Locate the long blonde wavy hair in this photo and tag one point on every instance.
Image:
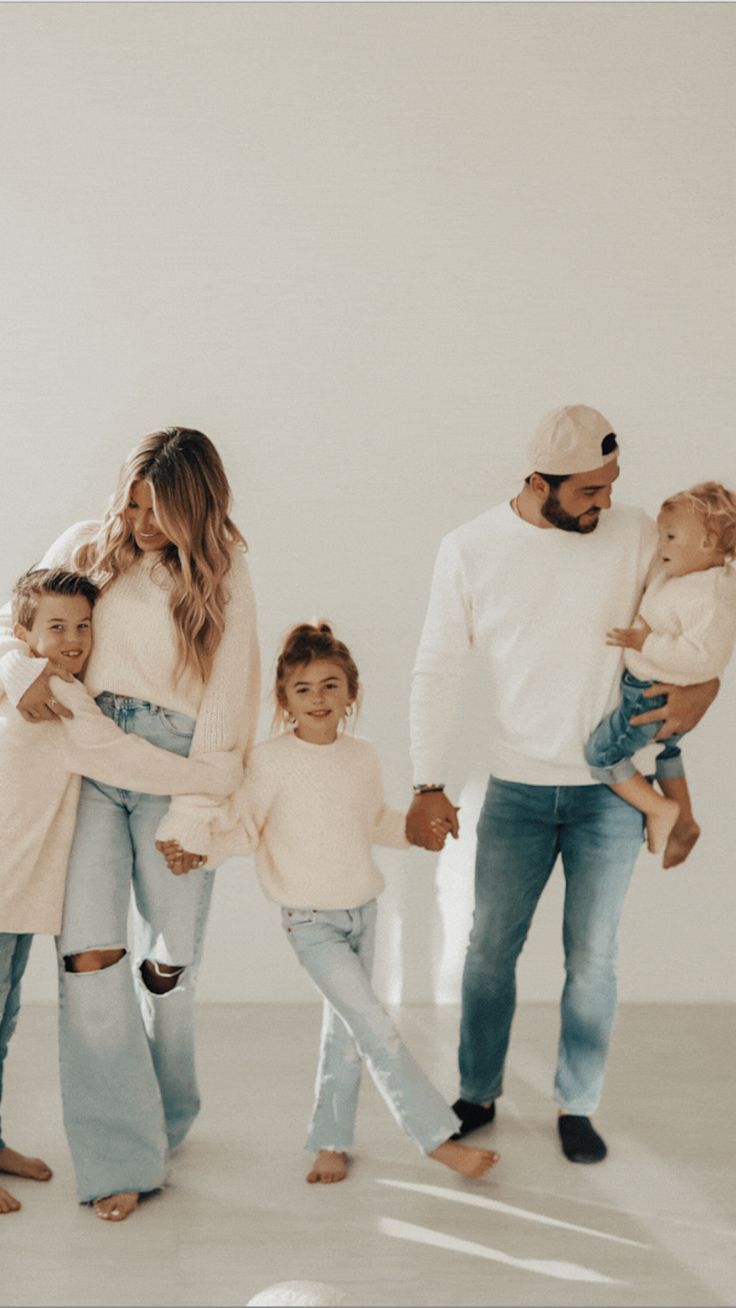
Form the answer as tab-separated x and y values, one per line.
191	499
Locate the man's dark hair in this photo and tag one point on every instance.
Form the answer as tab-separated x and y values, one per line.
36	582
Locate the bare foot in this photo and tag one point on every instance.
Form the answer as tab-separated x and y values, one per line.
329	1165
468	1160
35	1169
660	824
116	1207
682	838
8	1202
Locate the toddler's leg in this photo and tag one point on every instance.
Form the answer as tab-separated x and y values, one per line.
686	831
14	951
661	813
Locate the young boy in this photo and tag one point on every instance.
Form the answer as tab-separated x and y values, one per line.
40	768
685	633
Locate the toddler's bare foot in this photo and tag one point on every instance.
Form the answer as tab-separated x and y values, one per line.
329	1165
682	838
8	1202
468	1160
116	1207
35	1169
660	824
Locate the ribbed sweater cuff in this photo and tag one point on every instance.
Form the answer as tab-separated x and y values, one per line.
18	671
193	834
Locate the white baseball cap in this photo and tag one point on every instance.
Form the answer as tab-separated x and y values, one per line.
570	440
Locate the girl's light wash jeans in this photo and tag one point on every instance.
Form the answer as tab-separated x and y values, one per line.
128	1079
610	747
14	951
521	831
336	948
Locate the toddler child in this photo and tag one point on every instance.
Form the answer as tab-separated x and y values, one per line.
685	633
40	767
312	805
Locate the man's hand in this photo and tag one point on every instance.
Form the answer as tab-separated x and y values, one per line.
684	708
38	703
430	817
179	860
628	637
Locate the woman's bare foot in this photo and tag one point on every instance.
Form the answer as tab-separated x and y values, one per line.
329	1165
35	1169
116	1207
660	824
468	1160
8	1202
681	840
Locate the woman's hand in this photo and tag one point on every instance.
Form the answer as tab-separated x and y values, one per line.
628	637
179	860
38	703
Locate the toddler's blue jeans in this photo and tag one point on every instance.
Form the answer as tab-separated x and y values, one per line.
610	747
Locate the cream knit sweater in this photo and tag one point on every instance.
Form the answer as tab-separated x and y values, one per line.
693	621
39	787
134	654
312	813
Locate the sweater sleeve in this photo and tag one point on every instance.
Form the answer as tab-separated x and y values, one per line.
389	827
95	747
700	651
228	714
18	668
445	642
237	826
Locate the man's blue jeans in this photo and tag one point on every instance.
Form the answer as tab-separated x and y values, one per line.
128	1077
14	951
521	831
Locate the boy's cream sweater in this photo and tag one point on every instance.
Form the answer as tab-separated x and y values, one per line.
693	621
135	654
312	813
39	786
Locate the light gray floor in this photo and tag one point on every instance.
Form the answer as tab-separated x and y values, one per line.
653	1225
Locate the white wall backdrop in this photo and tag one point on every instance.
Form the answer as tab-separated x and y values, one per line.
365	247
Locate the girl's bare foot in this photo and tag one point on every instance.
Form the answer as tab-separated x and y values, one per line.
468	1160
329	1165
35	1169
116	1207
8	1202
660	824
682	838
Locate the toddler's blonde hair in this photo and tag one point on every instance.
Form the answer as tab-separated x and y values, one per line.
715	507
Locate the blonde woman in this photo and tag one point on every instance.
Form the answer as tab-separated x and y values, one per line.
175	659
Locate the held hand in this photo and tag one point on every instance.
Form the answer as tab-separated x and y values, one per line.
628	637
685	707
179	860
429	819
38	703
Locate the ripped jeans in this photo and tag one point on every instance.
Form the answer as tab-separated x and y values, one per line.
128	1079
336	948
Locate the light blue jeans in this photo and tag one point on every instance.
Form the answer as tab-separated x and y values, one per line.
14	951
336	948
128	1078
521	830
610	747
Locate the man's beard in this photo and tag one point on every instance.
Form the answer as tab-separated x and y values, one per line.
553	511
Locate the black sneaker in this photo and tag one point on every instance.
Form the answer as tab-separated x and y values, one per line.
472	1117
580	1142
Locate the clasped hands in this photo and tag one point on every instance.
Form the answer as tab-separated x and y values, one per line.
179	860
430	818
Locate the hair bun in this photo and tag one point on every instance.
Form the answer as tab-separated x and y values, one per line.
323	627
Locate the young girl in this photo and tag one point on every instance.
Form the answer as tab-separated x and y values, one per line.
685	633
312	805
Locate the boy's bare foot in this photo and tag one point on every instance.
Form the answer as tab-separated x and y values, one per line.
468	1160
8	1202
660	824
329	1165
681	840
116	1207
35	1169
